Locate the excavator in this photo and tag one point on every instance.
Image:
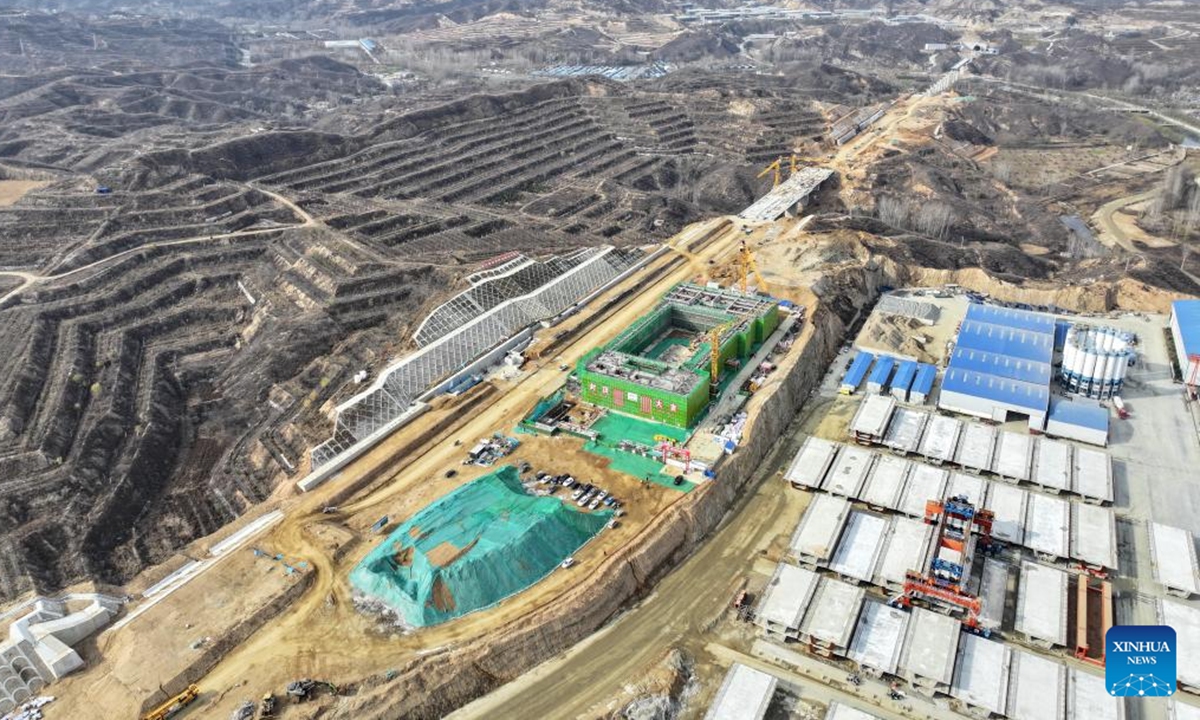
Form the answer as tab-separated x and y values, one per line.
175	704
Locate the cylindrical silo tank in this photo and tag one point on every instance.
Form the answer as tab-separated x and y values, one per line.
1069	351
1088	372
1110	339
1110	370
1121	367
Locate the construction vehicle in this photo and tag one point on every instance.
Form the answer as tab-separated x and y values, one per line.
266	706
960	530
174	704
305	689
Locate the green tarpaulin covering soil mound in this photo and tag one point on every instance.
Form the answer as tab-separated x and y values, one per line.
472	548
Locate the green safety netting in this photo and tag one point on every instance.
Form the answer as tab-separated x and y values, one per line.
472	548
615	427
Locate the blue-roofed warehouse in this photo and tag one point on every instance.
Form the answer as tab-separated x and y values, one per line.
1001	364
881	373
1185	331
903	380
922	385
1078	419
856	373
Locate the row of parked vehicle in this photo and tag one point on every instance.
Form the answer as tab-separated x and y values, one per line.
583	494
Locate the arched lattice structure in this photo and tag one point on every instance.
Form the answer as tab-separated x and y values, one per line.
502	301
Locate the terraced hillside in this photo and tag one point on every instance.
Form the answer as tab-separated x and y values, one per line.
184	298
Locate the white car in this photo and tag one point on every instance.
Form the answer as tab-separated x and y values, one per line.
568	563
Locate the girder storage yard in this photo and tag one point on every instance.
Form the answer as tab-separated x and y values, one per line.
1046	588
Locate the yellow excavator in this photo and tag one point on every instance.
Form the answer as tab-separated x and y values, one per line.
175	704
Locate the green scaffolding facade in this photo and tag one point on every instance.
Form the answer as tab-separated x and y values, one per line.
673	393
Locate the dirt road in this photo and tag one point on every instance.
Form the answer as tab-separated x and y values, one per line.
1111	233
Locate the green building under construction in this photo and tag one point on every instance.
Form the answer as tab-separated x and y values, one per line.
660	367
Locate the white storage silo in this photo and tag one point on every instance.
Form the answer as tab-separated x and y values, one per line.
1070	352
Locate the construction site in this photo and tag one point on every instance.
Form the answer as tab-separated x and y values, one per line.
629	362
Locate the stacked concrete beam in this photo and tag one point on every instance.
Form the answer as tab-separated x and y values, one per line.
849	471
1014	457
940	441
885	483
745	694
1047	526
785	600
861	544
925	483
1093	476
818	532
904	433
879	638
831	616
1094	536
811	463
906	547
1185	619
1173	556
1042	605
977	447
1008	505
930	647
1053	466
1037	688
981	675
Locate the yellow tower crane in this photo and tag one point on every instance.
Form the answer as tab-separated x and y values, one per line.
714	341
746	265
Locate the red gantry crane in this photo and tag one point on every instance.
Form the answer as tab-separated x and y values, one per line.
961	530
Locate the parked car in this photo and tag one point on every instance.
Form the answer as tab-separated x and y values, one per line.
568	563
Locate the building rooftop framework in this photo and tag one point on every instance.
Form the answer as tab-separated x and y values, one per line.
660	367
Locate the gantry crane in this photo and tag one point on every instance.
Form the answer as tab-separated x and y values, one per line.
776	167
960	528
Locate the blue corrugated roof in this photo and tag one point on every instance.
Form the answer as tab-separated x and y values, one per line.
883	369
904	375
1187	314
1006	366
923	382
998	389
1078	412
1009	317
1002	340
858	369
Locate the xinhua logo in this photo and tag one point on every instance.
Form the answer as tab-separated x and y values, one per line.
1140	660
